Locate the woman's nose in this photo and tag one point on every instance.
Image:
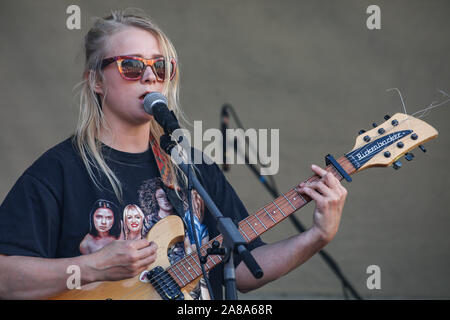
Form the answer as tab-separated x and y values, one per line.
149	75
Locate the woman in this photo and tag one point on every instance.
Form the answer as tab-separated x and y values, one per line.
104	227
133	221
154	202
127	56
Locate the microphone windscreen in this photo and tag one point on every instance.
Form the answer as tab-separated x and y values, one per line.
152	100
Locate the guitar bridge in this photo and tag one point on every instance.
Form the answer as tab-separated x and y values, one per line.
164	284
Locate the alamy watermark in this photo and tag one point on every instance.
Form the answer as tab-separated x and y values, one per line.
373	22
374	280
73	21
74	280
213	150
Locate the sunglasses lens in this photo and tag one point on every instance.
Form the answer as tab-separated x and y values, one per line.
132	69
160	69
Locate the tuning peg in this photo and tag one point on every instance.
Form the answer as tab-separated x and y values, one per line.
387	117
361	131
374	125
421	147
397	165
409	156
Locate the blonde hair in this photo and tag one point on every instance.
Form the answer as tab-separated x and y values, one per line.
91	118
129	209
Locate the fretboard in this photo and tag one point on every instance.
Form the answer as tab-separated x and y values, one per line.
188	269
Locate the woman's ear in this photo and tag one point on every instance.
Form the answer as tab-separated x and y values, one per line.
98	87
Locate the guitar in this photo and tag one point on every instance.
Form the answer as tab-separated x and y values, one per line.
379	147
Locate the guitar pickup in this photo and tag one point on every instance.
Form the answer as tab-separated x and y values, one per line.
164	284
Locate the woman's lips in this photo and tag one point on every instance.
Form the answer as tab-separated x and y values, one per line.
143	95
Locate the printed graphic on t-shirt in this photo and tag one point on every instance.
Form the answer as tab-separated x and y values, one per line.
104	226
107	223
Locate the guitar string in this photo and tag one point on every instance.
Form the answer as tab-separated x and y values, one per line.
164	276
400	122
403	103
172	281
426	110
193	256
244	228
282	202
160	276
401	98
252	219
314	178
157	285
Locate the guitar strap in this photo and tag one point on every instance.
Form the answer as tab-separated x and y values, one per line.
160	161
179	201
180	205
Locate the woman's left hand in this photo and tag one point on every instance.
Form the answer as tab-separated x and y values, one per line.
329	196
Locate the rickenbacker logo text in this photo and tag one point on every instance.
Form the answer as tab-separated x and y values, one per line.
376	146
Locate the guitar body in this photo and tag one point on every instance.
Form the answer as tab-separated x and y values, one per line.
165	233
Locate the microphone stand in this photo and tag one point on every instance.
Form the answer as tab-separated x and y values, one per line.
275	194
232	238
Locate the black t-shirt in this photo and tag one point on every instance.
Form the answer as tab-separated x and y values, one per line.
55	210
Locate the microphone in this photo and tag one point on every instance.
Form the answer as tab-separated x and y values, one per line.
155	104
224	120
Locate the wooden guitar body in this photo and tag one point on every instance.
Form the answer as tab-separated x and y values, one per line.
165	233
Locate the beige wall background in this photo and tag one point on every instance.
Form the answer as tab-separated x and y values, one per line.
309	68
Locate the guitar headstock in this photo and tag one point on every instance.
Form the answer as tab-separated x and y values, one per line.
383	145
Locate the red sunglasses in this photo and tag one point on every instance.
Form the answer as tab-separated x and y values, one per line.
132	68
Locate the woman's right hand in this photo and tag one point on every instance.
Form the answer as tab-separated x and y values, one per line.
121	259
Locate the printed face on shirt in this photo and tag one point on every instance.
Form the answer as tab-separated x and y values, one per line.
103	219
134	220
163	203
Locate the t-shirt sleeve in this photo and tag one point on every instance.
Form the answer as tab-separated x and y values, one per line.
29	219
